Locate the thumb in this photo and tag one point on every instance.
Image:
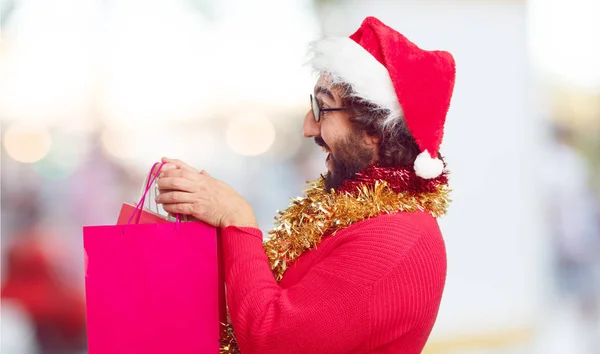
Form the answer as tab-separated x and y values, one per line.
158	168
179	164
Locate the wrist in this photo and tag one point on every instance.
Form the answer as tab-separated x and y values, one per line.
240	223
240	218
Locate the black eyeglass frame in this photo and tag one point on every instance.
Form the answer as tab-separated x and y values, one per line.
317	109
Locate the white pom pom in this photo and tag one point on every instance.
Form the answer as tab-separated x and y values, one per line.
428	167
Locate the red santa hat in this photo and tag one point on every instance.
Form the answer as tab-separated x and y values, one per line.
388	70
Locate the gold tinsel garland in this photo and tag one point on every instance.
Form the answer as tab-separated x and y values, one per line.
303	224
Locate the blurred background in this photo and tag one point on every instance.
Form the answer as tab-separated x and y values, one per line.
92	92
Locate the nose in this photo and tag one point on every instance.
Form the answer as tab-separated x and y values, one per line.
311	128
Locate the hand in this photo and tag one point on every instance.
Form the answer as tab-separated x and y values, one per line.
172	164
185	191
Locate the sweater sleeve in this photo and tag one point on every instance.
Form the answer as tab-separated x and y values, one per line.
327	311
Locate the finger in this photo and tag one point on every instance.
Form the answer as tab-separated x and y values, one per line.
203	172
177	184
179	164
165	167
189	175
174	197
179	208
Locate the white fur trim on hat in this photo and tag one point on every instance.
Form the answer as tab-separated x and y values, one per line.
428	167
350	63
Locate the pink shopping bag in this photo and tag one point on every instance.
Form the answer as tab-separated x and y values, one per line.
152	288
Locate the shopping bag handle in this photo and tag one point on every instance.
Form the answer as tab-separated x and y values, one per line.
151	179
150	182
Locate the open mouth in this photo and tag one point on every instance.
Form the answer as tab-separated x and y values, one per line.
328	152
325	150
321	143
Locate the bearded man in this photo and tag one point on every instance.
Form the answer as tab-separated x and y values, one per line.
358	265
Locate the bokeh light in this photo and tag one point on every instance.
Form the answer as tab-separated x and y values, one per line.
27	143
67	153
118	143
250	135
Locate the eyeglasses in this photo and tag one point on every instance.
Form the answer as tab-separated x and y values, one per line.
317	109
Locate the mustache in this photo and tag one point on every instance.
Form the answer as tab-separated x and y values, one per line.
319	141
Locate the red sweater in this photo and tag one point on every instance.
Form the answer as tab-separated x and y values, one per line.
374	287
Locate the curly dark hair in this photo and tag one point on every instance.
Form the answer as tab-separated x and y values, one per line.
397	145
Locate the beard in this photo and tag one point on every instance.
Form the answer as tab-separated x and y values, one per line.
351	157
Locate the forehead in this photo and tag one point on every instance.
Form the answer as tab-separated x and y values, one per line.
326	88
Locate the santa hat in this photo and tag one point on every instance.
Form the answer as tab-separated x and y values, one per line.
388	70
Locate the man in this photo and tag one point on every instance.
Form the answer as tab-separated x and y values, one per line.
359	264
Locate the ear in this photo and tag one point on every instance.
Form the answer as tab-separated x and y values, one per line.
372	139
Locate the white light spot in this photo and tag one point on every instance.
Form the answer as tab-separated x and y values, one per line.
250	136
27	143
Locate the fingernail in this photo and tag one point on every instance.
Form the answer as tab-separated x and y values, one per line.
161	175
